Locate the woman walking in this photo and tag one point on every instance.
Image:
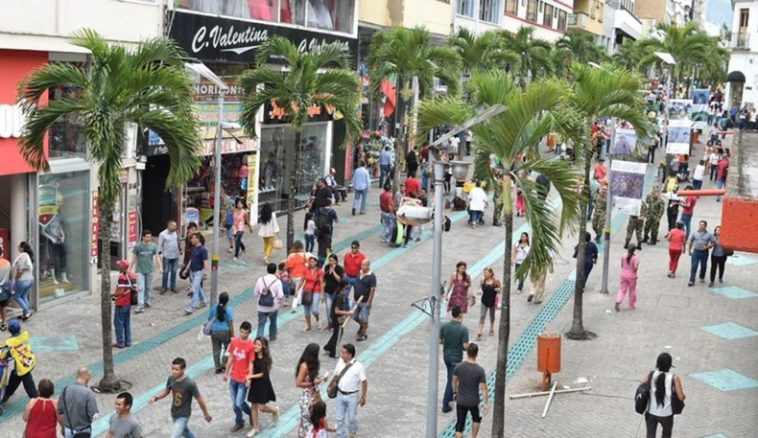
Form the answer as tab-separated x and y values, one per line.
521	250
261	390
314	284
338	314
309	230
718	257
663	385
490	286
188	247
677	239
307	378
630	263
6	286
296	264
460	286
333	275
268	228
241	224
222	330
39	415
23	267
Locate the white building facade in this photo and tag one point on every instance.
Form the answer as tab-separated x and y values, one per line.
743	62
620	24
548	18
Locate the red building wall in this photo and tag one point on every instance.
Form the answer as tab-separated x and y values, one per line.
739	224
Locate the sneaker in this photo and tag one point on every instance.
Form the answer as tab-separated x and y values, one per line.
174	290
148	305
690	284
163	291
362	338
710	284
119	346
236	428
219	370
529	298
702	280
139	310
188	311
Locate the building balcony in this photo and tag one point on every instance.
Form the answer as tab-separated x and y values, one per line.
583	22
627	23
741	41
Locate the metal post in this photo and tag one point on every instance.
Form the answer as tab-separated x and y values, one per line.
217	203
434	326
608	216
666	123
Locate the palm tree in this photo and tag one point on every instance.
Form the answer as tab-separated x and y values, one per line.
576	46
531	115
607	91
482	52
316	79
405	54
146	86
630	56
534	54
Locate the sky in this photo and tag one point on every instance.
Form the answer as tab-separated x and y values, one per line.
719	11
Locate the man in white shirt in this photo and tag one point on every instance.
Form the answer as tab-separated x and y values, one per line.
454	143
698	175
477	201
269	295
168	248
351	391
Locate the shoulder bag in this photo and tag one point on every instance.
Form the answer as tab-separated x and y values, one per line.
333	387
677	406
133	295
642	396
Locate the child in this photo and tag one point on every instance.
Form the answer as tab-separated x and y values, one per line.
318	421
310	232
284	277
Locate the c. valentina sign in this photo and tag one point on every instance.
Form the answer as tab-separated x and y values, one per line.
215	38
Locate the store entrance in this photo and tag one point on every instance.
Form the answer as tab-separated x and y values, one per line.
5	216
158	205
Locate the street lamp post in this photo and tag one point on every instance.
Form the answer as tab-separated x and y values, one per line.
608	215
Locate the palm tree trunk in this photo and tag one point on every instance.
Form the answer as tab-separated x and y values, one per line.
504	328
293	174
577	331
109	382
400	139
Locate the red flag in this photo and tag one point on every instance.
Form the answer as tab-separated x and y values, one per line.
388	89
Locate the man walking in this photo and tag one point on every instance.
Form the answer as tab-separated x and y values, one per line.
386	160
77	406
688	209
352	262
387	207
183	390
468	379
269	295
361	185
598	213
454	339
352	388
635	226
19	348
721	172
654	210
198	265
124	424
168	247
365	287
241	353
325	219
143	255
700	242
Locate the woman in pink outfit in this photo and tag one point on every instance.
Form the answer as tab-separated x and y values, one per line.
630	263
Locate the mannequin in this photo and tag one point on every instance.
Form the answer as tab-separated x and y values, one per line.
56	237
262	9
319	16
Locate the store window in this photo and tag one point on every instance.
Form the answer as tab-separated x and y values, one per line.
63	215
331	14
67	138
276	142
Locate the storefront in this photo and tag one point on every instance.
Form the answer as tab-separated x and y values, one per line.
228	46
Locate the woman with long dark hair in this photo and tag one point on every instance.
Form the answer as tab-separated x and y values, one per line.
718	257
23	268
630	263
460	287
268	228
261	389
241	223
663	384
520	251
222	330
490	286
306	377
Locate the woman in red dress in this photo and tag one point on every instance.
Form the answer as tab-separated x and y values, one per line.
40	416
460	285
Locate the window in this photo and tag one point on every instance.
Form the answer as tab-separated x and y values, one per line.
531	10
511	7
488	10
562	21
744	17
547	16
331	14
465	7
67	137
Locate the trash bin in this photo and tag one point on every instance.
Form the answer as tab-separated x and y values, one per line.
548	356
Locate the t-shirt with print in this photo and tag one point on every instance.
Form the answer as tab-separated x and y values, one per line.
124	427
470	376
241	353
145	253
182	393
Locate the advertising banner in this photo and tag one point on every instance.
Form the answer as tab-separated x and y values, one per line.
625	143
627	185
679	133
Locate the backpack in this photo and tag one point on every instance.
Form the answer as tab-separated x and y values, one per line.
642	396
398	234
266	298
322	222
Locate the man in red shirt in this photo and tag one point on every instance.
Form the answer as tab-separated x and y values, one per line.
688	209
352	263
721	171
600	170
241	353
387	207
412	185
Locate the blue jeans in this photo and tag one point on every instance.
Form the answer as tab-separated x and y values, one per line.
21	296
697	184
169	270
384	173
181	428
387	220
587	269
720	183
347	404
360	200
122	325
238	244
262	317
425	179
328	301
312	308
351	283
144	280
238	391
450	363
699	257
475	216
310	239
686	220
198	297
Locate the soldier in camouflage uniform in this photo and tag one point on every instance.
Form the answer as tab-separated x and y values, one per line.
636	224
598	213
655	208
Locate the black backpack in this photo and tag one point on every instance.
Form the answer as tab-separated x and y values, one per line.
642	396
322	222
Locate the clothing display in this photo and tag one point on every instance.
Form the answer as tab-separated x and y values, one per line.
55	250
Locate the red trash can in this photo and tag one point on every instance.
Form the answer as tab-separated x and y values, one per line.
548	356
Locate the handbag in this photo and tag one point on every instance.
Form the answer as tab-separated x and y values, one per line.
729	252
307	298
333	387
266	299
278	244
642	395
75	434
208	326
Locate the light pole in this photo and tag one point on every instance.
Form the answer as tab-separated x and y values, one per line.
608	215
670	62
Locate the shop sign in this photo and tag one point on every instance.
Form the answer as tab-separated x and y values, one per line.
230	146
132	228
11	121
215	38
95	228
252	186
